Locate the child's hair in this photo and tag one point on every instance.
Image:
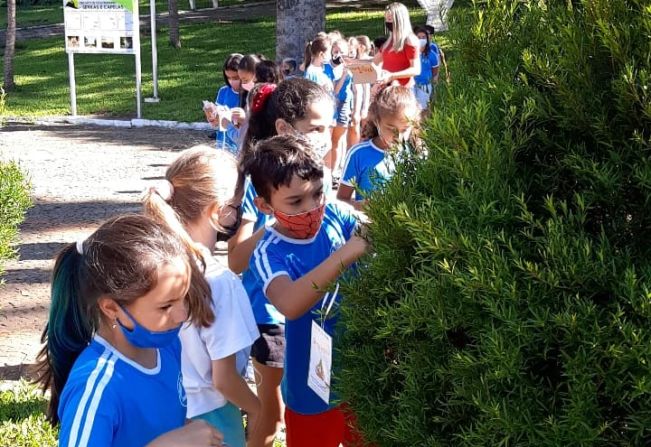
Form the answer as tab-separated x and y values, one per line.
248	63
274	162
430	30
289	101
121	260
422	29
353	45
391	101
231	63
364	41
379	42
401	25
342	44
335	35
199	177
291	62
268	71
312	49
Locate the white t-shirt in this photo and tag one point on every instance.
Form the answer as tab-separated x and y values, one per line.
233	332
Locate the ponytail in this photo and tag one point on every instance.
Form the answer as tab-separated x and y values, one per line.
308	55
70	328
156	207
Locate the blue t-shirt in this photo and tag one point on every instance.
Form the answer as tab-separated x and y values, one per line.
366	167
318	75
228	97
110	400
277	255
329	70
428	61
263	311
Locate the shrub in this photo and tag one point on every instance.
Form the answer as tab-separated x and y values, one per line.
22	418
14	201
508	300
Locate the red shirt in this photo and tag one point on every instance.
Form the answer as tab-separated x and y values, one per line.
393	61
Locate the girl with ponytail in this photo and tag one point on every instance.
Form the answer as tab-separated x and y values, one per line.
202	204
112	357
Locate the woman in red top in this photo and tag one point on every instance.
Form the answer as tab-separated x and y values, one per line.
399	56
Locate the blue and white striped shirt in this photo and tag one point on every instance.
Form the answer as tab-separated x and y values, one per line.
110	400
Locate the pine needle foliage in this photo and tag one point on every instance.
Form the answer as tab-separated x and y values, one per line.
508	298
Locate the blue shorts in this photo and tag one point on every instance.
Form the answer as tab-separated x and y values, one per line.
228	420
343	112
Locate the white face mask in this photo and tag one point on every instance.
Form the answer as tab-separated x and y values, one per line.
320	143
423	42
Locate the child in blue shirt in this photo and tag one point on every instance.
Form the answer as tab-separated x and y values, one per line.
392	116
112	356
298	258
229	96
296	106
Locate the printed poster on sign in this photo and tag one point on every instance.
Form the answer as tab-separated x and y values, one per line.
101	26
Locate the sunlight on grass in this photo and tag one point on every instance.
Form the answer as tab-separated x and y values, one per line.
106	83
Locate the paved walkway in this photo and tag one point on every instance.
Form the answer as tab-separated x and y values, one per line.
80	177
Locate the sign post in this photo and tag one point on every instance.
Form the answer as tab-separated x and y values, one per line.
154	52
102	27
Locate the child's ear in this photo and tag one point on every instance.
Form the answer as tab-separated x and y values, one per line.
263	206
283	127
109	307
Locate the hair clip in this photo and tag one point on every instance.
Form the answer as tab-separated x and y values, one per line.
261	97
164	189
80	245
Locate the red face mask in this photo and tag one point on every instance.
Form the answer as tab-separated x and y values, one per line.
303	225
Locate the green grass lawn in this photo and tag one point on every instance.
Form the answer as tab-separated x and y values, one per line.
33	15
106	83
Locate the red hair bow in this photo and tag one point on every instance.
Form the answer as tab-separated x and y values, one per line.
261	97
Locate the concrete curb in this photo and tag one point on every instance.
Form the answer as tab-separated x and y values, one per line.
133	123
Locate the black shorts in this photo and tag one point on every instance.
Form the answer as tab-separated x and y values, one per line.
269	349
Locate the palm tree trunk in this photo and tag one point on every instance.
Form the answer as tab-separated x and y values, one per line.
10	46
175	37
297	22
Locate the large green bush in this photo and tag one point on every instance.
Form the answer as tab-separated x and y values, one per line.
508	301
14	201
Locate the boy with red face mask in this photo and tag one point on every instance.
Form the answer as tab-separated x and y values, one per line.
297	260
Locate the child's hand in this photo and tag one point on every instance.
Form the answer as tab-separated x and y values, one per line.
358	245
238	116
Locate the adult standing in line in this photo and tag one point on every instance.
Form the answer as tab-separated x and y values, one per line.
399	57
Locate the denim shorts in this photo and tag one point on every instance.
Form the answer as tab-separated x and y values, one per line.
343	112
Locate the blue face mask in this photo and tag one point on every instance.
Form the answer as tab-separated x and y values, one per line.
144	338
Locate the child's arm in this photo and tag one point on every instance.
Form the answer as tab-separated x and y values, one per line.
345	194
233	387
294	298
241	246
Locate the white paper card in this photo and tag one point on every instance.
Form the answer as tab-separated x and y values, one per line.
320	363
